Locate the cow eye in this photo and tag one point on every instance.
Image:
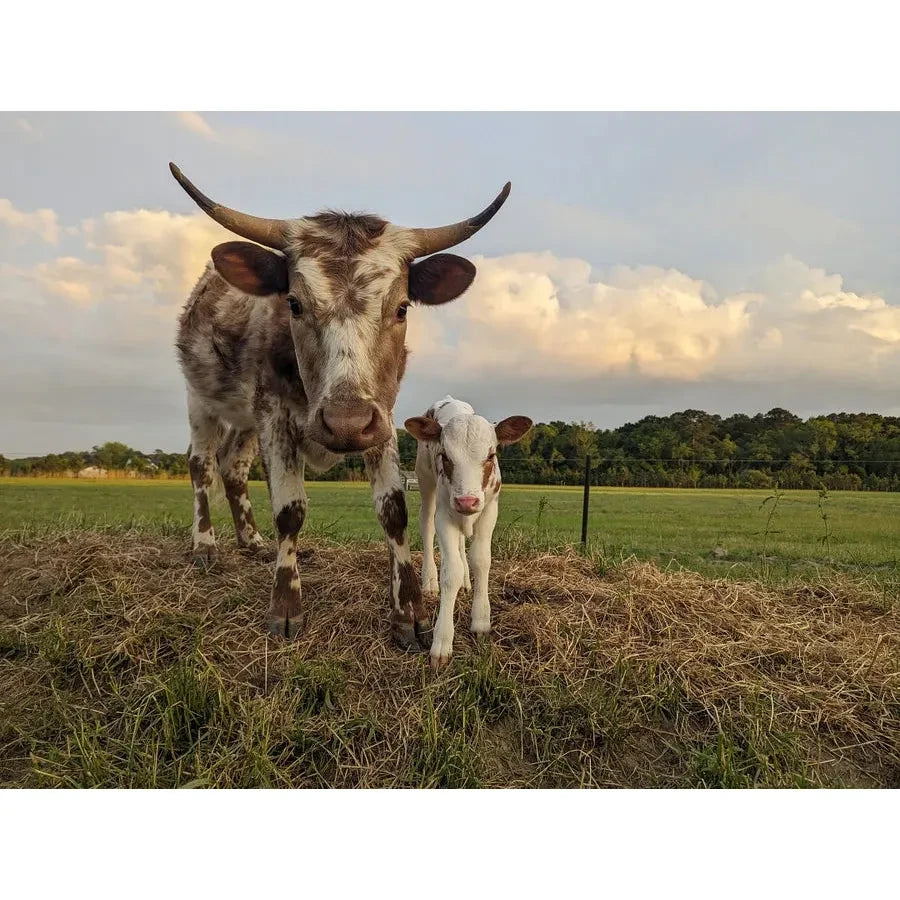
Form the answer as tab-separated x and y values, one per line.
296	308
401	312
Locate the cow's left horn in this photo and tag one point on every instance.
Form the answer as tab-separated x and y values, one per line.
433	240
268	232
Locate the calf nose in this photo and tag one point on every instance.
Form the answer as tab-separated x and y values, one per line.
466	505
351	426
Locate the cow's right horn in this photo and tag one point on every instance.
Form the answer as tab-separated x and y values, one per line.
268	232
433	240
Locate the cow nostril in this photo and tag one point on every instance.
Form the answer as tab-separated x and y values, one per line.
323	421
372	426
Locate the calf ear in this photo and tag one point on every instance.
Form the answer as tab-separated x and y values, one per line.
512	429
423	428
439	278
251	268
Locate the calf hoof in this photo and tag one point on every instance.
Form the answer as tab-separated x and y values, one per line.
284	627
205	555
441	651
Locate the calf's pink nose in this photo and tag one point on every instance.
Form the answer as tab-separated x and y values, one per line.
466	504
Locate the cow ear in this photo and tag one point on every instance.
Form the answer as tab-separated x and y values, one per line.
251	268
512	429
423	428
439	278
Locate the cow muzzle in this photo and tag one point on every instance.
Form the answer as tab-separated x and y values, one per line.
350	426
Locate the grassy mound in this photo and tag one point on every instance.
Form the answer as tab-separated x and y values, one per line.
123	665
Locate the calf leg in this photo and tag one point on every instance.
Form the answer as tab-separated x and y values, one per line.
202	466
410	625
428	493
235	458
451	582
467	581
480	561
284	470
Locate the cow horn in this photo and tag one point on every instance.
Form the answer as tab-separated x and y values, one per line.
433	240
268	232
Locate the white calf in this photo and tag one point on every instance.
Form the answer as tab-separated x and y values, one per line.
459	479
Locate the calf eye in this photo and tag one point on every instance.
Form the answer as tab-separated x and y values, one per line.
401	312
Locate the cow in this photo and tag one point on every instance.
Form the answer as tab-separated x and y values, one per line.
293	346
459	479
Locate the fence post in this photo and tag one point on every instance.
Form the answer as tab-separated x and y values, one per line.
587	495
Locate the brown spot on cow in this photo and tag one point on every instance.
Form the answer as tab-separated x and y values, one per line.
446	467
201	471
393	516
410	593
487	471
204	523
284	616
290	519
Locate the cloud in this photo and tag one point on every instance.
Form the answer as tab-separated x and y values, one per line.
22	226
536	316
194	122
97	325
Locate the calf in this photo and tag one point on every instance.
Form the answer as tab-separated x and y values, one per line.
459	479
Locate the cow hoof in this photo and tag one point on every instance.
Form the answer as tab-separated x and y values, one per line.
424	633
404	635
287	628
205	556
264	553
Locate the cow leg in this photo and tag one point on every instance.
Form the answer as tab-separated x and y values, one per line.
235	458
410	626
480	561
202	466
451	582
284	471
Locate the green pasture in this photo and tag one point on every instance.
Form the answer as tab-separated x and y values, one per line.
690	528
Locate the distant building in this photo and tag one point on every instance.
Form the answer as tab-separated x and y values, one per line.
92	472
410	481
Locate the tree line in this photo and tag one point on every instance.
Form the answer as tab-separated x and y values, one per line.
839	451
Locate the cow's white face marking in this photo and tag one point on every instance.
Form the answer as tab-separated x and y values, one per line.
341	338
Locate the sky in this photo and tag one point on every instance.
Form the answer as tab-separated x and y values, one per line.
643	264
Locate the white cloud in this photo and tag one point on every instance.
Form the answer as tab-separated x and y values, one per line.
539	316
22	226
194	122
105	315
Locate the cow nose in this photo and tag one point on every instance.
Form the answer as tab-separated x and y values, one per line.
351	426
466	505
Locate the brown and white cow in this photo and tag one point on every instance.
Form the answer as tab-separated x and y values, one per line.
300	352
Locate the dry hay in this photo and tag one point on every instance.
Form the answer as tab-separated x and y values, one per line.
121	664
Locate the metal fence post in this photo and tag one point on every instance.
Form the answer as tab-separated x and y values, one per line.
587	495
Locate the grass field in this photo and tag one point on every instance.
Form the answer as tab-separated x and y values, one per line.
663	526
124	665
